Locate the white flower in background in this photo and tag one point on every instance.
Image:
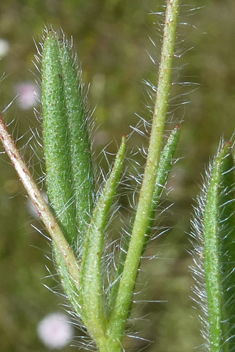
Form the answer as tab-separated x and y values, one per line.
27	95
55	330
4	47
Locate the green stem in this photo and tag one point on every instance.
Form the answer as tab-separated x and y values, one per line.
127	283
165	164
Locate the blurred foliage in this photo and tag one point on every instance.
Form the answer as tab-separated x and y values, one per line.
112	41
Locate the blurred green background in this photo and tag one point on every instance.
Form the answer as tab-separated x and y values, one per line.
111	38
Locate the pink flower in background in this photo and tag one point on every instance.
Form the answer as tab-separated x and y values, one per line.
55	330
27	95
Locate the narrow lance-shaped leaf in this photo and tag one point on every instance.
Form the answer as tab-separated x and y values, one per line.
56	139
91	275
227	250
218	252
164	168
80	151
66	142
70	184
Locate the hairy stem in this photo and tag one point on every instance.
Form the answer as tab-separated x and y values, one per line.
39	202
127	282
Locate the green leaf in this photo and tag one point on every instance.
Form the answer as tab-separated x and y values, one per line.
70	183
55	139
218	253
80	151
164	168
91	274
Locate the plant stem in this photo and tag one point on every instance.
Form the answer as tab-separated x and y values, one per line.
39	202
164	168
127	282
